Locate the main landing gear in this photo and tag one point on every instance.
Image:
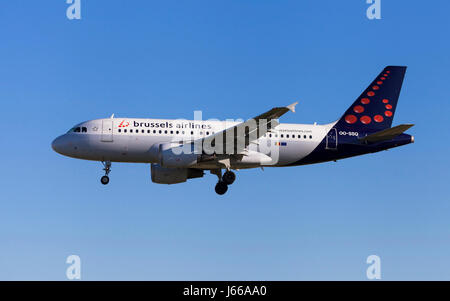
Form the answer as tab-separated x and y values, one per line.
224	180
107	169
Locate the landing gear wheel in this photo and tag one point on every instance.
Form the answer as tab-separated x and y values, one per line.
229	177
107	169
221	188
104	180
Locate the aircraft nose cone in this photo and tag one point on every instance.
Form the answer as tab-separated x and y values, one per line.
57	145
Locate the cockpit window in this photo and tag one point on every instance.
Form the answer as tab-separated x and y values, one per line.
78	129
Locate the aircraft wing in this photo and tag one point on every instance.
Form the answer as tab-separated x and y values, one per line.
236	139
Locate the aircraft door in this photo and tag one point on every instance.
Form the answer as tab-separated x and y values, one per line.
331	141
107	130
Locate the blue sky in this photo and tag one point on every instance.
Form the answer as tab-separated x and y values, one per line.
230	59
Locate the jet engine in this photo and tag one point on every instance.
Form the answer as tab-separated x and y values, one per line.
165	175
173	155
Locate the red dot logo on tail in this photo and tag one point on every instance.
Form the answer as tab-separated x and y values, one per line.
350	119
358	109
366	119
365	101
378	118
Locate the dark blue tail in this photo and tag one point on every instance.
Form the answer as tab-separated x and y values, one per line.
374	109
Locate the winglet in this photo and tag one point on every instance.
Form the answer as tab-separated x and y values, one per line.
291	107
112	116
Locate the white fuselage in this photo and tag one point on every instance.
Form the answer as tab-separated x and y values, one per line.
132	139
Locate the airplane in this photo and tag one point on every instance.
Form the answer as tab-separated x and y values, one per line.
178	150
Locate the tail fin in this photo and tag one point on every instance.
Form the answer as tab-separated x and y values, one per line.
374	109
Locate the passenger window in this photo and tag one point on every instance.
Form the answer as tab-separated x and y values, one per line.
207	133
304	136
299	136
192	132
131	131
160	131
281	135
287	136
310	137
171	132
154	131
125	131
143	131
178	132
165	132
148	131
119	130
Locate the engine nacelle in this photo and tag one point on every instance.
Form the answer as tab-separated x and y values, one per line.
164	175
172	155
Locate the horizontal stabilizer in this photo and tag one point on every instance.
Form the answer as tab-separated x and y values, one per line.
387	134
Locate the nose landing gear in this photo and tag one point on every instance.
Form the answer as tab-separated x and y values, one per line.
104	180
107	168
225	180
